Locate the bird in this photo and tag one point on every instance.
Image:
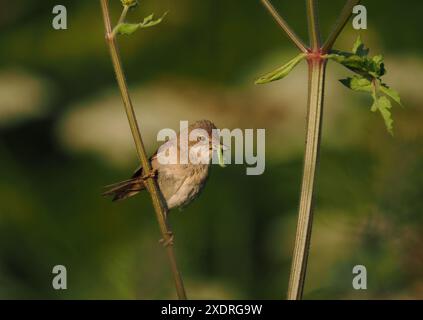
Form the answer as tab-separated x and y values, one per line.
179	182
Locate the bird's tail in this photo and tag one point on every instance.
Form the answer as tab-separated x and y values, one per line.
125	189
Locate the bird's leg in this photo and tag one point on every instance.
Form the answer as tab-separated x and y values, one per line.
153	174
169	241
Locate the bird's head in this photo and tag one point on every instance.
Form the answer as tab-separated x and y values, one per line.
204	140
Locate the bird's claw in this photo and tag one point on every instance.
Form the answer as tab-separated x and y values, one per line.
169	241
152	174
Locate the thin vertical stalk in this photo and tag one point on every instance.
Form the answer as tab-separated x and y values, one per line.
317	71
313	24
157	199
284	25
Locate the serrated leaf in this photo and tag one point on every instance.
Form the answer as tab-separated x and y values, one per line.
394	95
359	62
357	44
369	71
150	22
378	59
384	106
338	56
281	72
377	66
364	66
359	48
351	61
358	83
130	28
147	19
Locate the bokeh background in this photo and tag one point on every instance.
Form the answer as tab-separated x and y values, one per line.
64	134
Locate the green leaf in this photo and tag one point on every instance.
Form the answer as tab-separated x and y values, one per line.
359	62
353	62
384	106
374	68
377	66
359	48
358	83
130	28
150	22
369	71
337	56
127	28
281	72
394	95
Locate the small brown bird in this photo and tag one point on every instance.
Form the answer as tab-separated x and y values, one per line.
179	182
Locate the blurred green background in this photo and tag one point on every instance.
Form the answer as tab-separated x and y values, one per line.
64	134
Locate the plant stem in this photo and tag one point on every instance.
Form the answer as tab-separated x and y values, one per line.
123	15
317	71
156	196
313	24
284	25
340	24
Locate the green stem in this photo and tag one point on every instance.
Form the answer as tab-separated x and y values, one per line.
121	20
123	15
340	24
156	196
313	25
317	71
284	25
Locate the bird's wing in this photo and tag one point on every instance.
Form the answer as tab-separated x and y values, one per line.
139	172
170	145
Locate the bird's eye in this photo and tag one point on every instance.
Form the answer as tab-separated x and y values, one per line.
201	138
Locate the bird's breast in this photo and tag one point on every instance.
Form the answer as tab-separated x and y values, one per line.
180	184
